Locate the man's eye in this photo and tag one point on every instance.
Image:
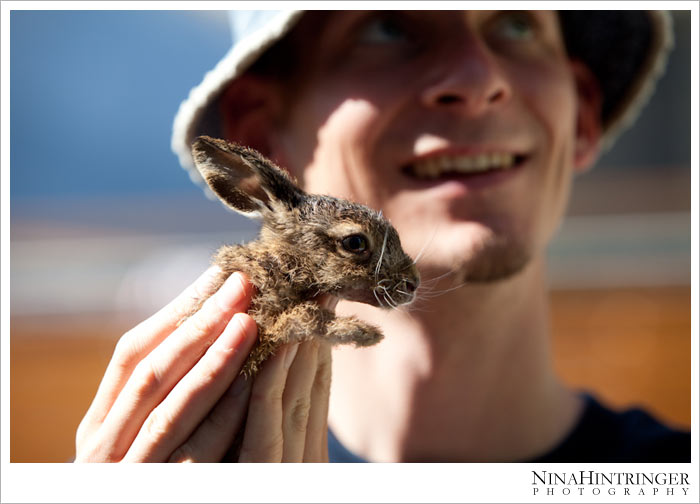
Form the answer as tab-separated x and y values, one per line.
382	31
516	26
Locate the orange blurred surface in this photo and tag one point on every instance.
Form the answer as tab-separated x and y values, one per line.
629	347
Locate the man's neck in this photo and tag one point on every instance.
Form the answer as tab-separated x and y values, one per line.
466	376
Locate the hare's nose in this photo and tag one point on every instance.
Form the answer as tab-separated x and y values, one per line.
410	285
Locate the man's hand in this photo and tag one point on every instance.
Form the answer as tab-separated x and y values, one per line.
174	393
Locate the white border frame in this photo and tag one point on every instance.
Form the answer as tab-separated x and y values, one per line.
315	482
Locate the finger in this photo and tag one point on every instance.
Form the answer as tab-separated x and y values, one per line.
316	443
262	441
142	339
139	341
296	401
174	420
214	437
166	320
154	377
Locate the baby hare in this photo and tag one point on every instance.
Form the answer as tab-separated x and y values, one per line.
309	245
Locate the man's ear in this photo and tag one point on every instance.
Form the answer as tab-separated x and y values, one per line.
588	117
251	106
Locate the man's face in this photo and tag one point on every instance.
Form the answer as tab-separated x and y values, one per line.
396	110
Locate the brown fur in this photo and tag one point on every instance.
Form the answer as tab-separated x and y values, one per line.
301	252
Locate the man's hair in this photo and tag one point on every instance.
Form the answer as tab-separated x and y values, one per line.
277	62
596	37
281	59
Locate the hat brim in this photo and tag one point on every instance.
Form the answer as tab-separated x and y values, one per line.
198	114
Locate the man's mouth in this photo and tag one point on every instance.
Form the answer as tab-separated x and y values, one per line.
447	165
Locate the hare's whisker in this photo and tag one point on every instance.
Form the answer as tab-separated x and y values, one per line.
425	245
387	297
413	308
386	292
439	277
432	294
374	291
381	254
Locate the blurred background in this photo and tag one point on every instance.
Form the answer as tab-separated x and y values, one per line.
106	227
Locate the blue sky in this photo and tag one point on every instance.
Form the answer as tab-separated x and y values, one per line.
93	95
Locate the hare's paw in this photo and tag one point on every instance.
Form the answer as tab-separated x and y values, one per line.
299	323
345	330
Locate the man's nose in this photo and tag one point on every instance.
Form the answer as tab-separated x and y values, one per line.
469	80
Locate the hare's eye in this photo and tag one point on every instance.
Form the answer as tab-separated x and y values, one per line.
356	243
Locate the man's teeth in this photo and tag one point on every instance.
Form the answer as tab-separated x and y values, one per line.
436	166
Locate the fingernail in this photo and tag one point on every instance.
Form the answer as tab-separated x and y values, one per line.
250	330
204	285
231	292
291	353
209	274
239	334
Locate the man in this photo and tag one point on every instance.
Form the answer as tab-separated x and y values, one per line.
465	129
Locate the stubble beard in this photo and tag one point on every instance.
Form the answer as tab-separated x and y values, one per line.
493	260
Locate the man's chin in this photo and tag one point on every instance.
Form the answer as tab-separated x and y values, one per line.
493	263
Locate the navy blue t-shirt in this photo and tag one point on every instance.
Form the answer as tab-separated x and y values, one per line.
601	435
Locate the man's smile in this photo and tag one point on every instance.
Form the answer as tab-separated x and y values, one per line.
446	165
475	169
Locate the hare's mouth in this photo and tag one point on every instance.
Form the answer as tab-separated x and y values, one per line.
403	293
383	295
359	295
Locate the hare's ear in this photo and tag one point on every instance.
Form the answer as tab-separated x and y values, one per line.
243	178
